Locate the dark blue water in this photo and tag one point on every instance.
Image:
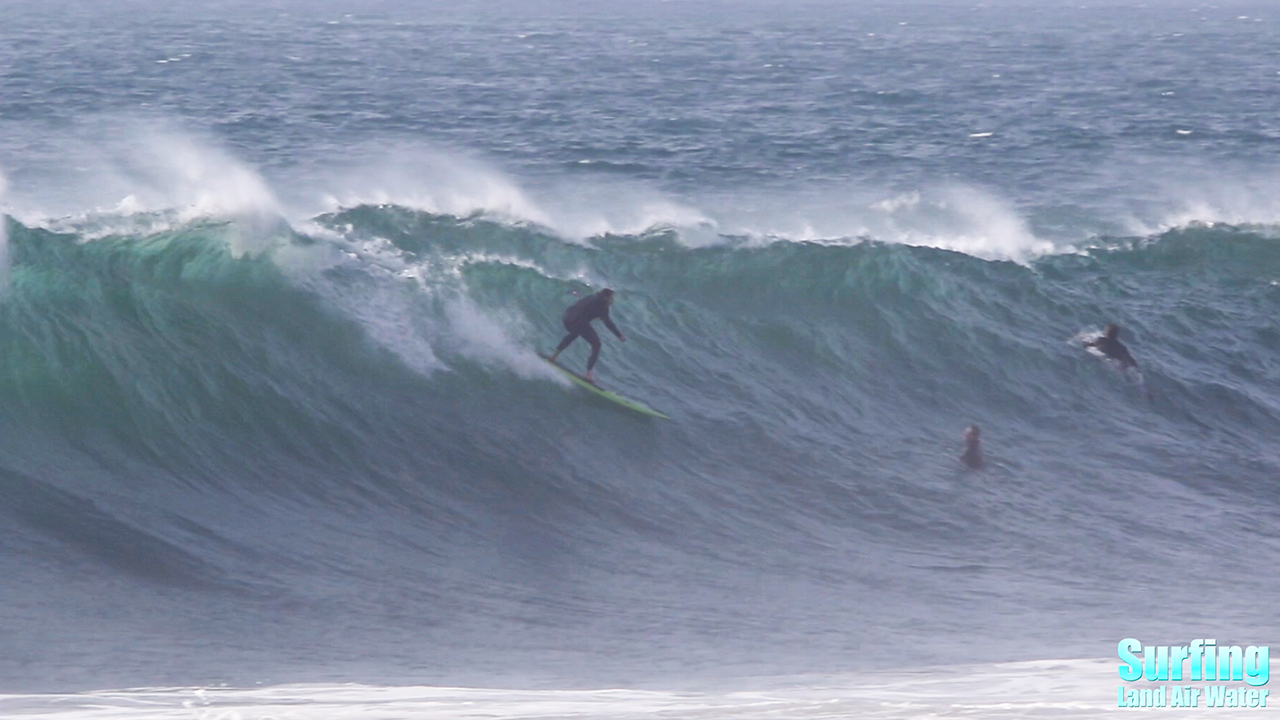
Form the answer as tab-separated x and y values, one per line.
277	273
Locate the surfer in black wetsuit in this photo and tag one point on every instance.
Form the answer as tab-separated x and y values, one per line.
1109	344
973	448
577	320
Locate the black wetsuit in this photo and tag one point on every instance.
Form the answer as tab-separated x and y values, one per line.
973	456
577	320
1115	350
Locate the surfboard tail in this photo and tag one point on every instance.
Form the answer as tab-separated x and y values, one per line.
611	396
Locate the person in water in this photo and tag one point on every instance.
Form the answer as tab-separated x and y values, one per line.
1109	344
577	320
972	455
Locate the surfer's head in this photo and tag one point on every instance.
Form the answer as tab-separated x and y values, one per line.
607	294
972	435
1112	331
972	455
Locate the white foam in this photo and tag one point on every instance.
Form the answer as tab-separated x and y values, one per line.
1060	689
1204	197
445	182
129	167
376	301
488	338
426	179
956	217
963	219
416	307
579	210
205	181
151	174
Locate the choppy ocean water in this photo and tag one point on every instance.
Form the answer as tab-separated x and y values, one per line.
273	422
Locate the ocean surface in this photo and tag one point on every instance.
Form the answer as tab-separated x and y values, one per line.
272	422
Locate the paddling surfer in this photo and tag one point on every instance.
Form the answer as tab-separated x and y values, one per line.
577	320
973	448
1109	345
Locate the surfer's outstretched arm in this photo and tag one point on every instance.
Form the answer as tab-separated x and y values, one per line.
600	310
612	328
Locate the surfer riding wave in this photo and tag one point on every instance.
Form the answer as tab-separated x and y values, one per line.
577	320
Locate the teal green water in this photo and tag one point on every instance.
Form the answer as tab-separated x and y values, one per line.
276	276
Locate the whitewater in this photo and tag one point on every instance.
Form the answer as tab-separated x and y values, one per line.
275	440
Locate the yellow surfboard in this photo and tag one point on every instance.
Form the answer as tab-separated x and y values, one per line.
607	395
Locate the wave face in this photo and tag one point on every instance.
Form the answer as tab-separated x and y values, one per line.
273	279
347	441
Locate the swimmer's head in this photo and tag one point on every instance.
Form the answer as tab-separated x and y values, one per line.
1112	331
608	295
972	434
